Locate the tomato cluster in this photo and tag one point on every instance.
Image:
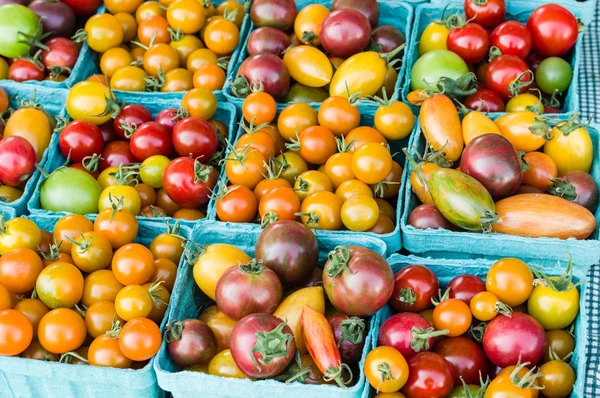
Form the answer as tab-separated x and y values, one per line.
321	166
158	166
26	135
85	293
294	56
506	328
166	45
36	43
520	64
515	174
257	331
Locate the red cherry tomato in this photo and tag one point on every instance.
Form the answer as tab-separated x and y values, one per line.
22	70
512	38
414	287
61	53
116	153
464	287
130	118
484	100
507	76
429	375
195	138
150	139
188	183
80	139
470	42
83	7
488	15
553	30
466	357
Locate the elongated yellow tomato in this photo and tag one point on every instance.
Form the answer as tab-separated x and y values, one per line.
571	148
31	124
433	38
213	262
475	124
441	126
526	130
363	73
308	65
87	101
290	310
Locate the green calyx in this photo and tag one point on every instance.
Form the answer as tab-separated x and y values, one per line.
516	85
82	245
487	220
563	189
528	380
202	172
268	219
407	296
174	331
254	267
192	251
481	392
420	337
477	331
541	128
574	123
312	218
337	261
271	345
336	373
353	330
560	284
53	252
240	87
454	88
127	174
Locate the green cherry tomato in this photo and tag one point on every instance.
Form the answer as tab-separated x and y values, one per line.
152	170
434	65
15	22
71	190
553	74
460	391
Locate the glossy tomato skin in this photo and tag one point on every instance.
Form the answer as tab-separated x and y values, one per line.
349	351
179	181
268	69
553	30
345	32
464	287
471	42
512	38
396	332
61	52
17	160
169	118
22	70
56	17
506	340
150	139
80	139
487	15
586	189
195	138
484	100
503	71
267	40
363	286
388	37
116	153
414	287
290	249
428	216
429	375
369	8
84	7
131	117
279	14
492	160
195	344
465	356
244	338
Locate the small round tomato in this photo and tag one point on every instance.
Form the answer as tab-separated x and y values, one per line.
129	25
149	9
429	374
165	271
128	6
114	59
434	37
557	380
61	330
237	205
315	144
541	170
177	80
160	301
363	135
19	269
105	351
119	227
103	32
100	317
360	213
394	120
291	165
554	74
279	204
210	77
371	163
525	102
338	115
60	285
16	332
559	342
223	365
339	168
259	108
556	305
167	245
201	57
160	58
485	306
5	300
221	36
133	264
91	251
185	45
200	103
87	101
386	369
140	339
554	30
512	38
130	198
508	76
267	185
258	140
147	195
186	16
152	169
246	167
295	118
153	30
310	182
129	78
100	286
322	210
351	188
471	42
454	315
234	9
133	301
511	280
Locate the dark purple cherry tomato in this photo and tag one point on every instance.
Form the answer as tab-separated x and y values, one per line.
470	42
429	375
190	342
267	40
80	139
534	60
484	100
414	287
512	38
279	14
465	356
345	32
369	8
427	216
349	334
195	138
464	287
151	138
387	38
116	153
269	70
578	187
129	119
108	132
56	17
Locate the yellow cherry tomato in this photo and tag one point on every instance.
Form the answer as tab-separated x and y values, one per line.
475	124
234	10
525	102
103	32
394	119
360	213
187	16
114	59
571	147
308	65
310	182
396	369
433	38
221	36
88	101
129	78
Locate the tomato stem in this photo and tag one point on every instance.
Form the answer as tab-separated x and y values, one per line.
353	330
386	374
313	218
66	357
271	345
516	85
574	123
309	37
253	267
420	337
527	381
562	283
563	189
173	331
477	331
335	373
268	219
337	261
192	251
53	252
503	309
240	87
407	296
488	219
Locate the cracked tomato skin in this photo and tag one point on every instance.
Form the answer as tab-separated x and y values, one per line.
421	281
363	285
244	338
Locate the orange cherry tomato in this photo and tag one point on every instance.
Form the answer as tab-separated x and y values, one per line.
186	16
16	332
259	108
153	29
100	286
60	285
237	205
322	210
339	168
453	315
350	188
129	25
363	135
19	269
221	36
269	184
140	339
99	318
315	144
246	166
105	351
61	330
200	103
371	163
279	204
133	264
210	77
310	182
189	214
295	118
165	271
541	170
34	310
259	140
339	115
70	226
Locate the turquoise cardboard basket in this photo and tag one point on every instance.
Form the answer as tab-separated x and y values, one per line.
141	95
29	378
519	10
446	269
53	102
225	113
497	245
395	13
187	302
392	239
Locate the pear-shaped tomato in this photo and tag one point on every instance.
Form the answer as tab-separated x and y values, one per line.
441	126
308	65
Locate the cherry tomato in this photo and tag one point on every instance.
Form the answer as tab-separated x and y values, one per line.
165	271
510	280
429	374
105	351
508	75
133	264
485	306
295	118
133	301
454	315
557	380
484	100
269	184
488	14
310	182
119	227
360	213
470	42
512	38
99	318
100	286
223	365
165	203
210	77
541	170
259	108
560	342
221	36
338	115
464	287
87	100
60	285
394	120
19	269
187	16
363	135
371	163
279	204
103	32
466	357
61	330
147	195
386	369
200	103
553	29
155	30
238	205
322	210
16	332
140	339
339	168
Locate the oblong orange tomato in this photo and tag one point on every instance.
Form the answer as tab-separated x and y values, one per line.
518	127
475	124
441	126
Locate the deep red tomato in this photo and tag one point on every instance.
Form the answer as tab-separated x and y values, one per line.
553	30
429	375
115	153
507	76
17	160
84	7
488	15
150	139
464	287
130	118
465	356
168	117
470	42
484	100
108	132
195	138
22	70
188	182
414	287
512	38
80	139
61	53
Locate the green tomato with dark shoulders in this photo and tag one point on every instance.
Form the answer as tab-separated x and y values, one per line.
434	65
70	190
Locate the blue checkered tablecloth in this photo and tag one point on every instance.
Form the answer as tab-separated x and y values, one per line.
589	93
